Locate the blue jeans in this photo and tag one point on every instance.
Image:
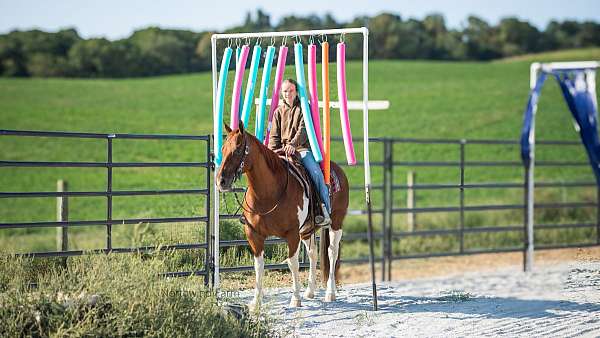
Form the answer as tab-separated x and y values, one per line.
316	175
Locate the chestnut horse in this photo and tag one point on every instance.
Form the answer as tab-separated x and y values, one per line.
276	204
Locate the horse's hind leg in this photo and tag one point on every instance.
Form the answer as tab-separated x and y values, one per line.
311	248
294	248
334	244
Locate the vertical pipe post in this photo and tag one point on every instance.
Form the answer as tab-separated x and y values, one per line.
216	250
462	195
391	207
388	186
207	251
62	215
411	200
598	215
385	225
109	193
366	159
533	74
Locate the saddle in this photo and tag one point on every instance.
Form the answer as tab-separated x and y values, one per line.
298	171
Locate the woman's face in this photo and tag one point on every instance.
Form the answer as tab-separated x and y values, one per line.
288	92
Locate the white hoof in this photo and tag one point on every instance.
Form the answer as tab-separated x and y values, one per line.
295	302
329	297
309	294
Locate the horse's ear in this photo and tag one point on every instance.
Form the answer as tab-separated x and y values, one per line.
241	127
227	128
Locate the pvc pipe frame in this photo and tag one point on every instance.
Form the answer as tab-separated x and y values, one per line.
367	167
534	71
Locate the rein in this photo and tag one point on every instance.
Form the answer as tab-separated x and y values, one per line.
238	174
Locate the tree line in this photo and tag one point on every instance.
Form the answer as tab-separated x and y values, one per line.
155	51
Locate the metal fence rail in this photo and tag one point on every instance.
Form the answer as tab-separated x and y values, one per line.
109	193
390	233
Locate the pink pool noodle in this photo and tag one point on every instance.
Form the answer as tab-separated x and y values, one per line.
312	87
237	87
276	88
343	97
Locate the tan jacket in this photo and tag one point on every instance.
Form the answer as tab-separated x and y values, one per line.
288	128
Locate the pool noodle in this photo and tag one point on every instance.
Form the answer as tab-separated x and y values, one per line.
264	87
343	97
313	90
326	112
249	97
218	123
283	50
235	99
310	130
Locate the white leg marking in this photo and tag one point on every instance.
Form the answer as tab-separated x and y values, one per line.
334	244
311	248
259	268
294	268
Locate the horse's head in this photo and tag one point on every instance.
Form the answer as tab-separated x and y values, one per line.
235	152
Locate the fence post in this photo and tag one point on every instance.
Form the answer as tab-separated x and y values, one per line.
389	166
385	225
62	215
462	195
597	215
207	252
411	201
109	160
528	220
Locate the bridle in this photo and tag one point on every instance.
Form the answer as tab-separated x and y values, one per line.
238	175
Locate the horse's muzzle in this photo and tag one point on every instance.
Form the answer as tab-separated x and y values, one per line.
224	184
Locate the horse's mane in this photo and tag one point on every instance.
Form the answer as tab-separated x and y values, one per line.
274	162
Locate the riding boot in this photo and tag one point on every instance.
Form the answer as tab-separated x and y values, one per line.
324	220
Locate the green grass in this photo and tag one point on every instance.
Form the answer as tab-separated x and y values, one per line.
113	295
455	100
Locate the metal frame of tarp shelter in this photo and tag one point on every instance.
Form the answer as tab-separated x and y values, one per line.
365	33
534	72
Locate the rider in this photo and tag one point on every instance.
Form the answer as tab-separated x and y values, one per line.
289	133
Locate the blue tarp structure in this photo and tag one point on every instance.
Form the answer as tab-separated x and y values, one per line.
578	88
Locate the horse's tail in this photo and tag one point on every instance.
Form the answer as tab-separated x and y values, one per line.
324	248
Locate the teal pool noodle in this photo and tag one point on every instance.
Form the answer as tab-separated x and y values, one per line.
259	129
249	97
218	120
308	123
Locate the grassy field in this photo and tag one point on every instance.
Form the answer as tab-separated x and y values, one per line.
455	100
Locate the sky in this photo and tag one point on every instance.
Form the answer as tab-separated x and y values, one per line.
115	19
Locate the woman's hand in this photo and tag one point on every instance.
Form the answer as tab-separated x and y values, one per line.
289	150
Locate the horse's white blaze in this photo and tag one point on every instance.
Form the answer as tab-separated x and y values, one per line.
259	268
334	244
294	268
303	212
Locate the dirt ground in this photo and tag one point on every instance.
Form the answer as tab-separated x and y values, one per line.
409	269
451	266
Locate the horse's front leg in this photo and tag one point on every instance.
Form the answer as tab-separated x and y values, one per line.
294	248
257	244
311	247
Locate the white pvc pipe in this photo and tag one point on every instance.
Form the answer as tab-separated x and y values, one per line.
546	67
213	42
352	105
534	70
290	33
365	32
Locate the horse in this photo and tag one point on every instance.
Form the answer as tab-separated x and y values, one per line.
275	204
